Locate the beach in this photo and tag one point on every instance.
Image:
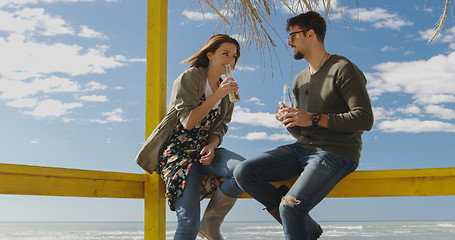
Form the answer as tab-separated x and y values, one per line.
372	230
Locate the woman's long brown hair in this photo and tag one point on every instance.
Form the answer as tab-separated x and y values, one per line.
200	58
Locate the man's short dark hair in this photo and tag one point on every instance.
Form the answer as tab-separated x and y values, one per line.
307	21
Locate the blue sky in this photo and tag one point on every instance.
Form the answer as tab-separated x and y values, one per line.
72	94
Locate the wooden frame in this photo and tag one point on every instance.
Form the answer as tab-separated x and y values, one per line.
48	181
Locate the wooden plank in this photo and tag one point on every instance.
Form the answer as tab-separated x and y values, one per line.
68	173
155	110
401	173
392	183
20	184
48	181
155	214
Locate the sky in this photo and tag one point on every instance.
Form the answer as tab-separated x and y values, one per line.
72	95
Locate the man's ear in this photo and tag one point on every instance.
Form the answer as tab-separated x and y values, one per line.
310	33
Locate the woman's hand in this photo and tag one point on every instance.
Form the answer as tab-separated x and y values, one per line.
208	153
226	86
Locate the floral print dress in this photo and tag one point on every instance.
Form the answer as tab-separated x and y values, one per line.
181	151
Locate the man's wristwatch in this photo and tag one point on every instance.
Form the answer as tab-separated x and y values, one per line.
315	117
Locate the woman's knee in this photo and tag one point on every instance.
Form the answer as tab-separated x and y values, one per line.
188	226
189	223
227	158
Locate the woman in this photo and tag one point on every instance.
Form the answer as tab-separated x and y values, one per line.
183	148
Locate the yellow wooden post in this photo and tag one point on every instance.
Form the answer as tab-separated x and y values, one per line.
154	201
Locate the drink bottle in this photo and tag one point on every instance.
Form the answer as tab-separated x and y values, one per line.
233	96
287	97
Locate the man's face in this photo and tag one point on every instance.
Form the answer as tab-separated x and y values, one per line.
296	40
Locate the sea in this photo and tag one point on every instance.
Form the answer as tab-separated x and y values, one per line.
369	230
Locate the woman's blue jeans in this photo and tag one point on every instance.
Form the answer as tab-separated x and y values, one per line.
187	206
319	172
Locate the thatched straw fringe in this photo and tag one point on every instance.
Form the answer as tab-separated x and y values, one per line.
442	21
259	12
251	19
216	10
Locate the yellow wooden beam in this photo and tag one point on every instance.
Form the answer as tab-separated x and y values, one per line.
397	183
49	181
155	110
6	168
155	102
46	181
392	183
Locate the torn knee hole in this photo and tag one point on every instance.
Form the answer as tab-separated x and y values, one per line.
289	201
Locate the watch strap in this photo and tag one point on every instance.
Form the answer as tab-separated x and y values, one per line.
315	117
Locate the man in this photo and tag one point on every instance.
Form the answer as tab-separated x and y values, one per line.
332	111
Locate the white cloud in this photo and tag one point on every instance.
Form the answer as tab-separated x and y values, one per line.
440	112
379	17
52	108
298	7
436	98
87	32
422	79
94	86
32	71
33	21
408	52
410	110
240	38
36	59
256	101
93	98
17	3
428	82
426	34
388	49
446	36
199	16
115	116
253	136
23	103
67	119
245	68
15	89
381	113
134	60
244	116
35	141
413	125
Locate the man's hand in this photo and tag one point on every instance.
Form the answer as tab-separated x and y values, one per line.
279	111
291	117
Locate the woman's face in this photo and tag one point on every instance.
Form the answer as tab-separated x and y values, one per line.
225	54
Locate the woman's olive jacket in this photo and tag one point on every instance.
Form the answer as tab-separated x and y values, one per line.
187	90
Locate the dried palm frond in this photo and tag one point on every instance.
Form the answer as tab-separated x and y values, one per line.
251	19
441	22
